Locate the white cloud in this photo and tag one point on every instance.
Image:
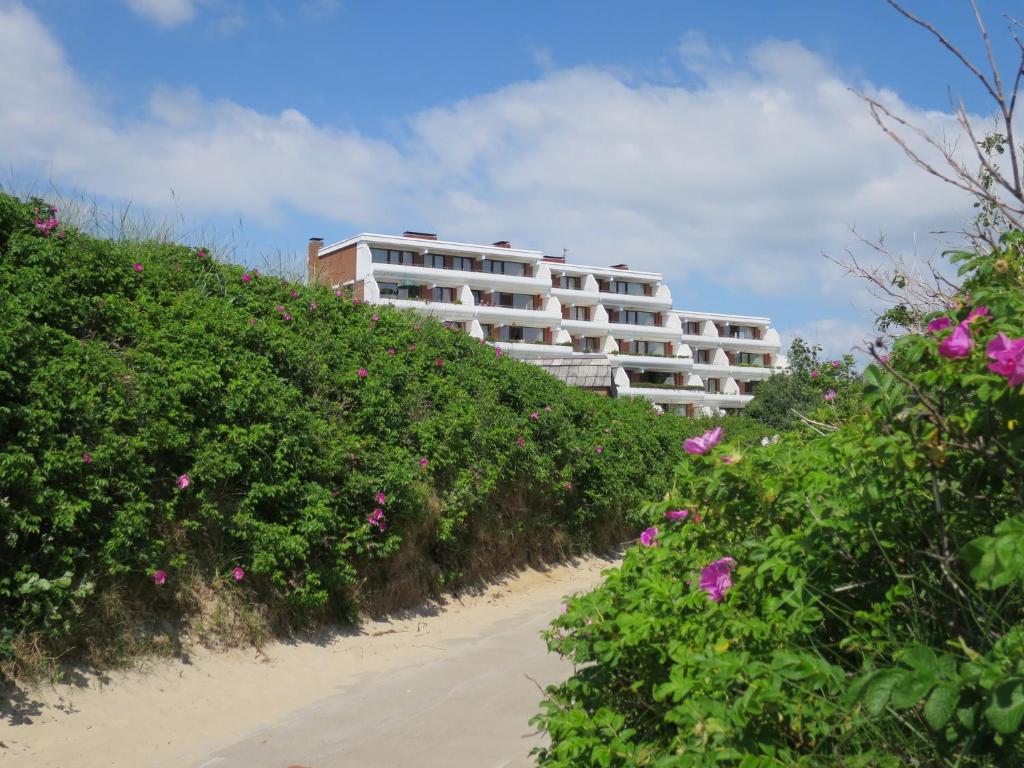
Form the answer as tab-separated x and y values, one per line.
836	336
166	13
742	179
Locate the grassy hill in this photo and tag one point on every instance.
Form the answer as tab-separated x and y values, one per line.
165	417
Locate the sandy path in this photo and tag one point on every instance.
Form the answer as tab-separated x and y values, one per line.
392	684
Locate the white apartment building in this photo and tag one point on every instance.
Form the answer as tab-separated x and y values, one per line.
538	307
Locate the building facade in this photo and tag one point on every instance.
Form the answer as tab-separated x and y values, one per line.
538	308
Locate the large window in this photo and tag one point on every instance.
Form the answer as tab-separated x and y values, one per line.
478	297
704	356
635	317
443	295
624	286
748	358
521	333
586	344
741	332
435	260
462	263
692	328
579	313
712	386
401	291
498	267
512	300
653	348
387	256
571	282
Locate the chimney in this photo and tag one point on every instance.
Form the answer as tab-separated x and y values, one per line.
620	266
313	256
420	235
502	244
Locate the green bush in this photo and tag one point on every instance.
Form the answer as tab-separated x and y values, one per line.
875	612
163	412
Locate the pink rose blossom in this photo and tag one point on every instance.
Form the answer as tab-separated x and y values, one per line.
312	306
568	486
677	514
379	497
977	313
424	461
338	293
649	537
830	395
201	253
286	317
137	267
564	608
375	318
1006	357
884	359
391	351
184	481
440	363
521	442
376	517
293	293
939	324
815	374
363	373
253	321
498	351
696	446
246	278
836	363
958	344
86	458
535	416
237	573
279	308
599	449
159	577
716	579
357	301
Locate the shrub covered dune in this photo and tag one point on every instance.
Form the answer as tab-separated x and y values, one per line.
848	599
181	439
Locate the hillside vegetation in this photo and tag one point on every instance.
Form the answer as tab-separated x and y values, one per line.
184	439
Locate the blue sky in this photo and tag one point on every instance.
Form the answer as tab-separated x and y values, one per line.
717	142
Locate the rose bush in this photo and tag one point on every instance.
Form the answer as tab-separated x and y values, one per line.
851	599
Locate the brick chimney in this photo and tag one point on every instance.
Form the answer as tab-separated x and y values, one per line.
502	244
620	266
420	235
313	256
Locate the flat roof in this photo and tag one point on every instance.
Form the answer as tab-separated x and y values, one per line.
440	245
721	316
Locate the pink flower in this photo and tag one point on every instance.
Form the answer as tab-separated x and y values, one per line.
159	577
830	395
391	351
568	486
521	442
598	449
375	318
535	416
498	351
293	293
379	497
312	306
47	226
246	278
716	578
957	344
701	445
815	374
439	362
1006	358
338	292
286	317
884	359
363	373
730	458
237	573
836	363
564	608
184	481
86	458
938	324
677	514
376	517
201	253
423	462
976	313
137	267
279	308
253	321
357	301
648	537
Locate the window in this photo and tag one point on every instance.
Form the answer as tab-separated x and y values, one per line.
478	297
748	358
704	356
712	386
579	313
498	267
571	282
486	330
399	290
634	317
691	328
521	334
435	260
462	263
749	387
512	300
650	377
623	286
653	348
386	256
443	295
740	332
586	344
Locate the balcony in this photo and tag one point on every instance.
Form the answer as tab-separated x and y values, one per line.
744	372
719	400
505	315
659	303
586	327
652	332
570	296
452	277
438	309
527	349
651	362
664	395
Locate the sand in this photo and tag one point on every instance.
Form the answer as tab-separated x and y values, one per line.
174	713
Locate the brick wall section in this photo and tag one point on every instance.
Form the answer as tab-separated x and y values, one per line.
336	268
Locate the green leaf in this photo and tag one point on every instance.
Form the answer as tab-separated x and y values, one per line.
878	691
1006	708
940	706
